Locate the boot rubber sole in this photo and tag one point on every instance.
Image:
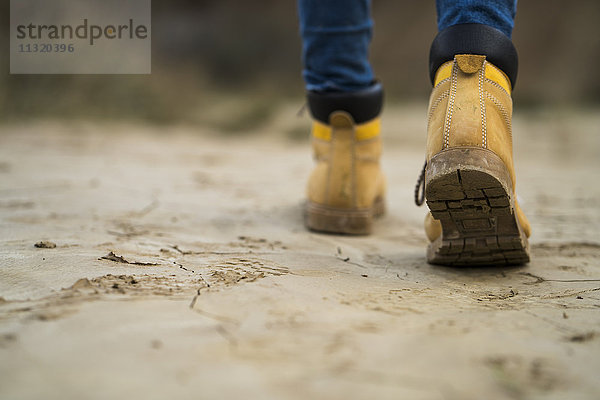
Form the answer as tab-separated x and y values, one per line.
469	190
349	221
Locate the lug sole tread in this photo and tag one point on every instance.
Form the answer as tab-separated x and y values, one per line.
477	213
338	220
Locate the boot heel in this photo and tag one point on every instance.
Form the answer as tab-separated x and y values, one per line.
469	190
322	218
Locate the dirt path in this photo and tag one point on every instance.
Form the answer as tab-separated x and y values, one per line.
182	270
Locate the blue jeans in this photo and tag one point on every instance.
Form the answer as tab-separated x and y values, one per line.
336	36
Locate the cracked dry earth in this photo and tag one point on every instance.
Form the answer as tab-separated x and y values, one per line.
171	262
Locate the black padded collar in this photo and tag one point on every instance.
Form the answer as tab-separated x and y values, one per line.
363	105
474	39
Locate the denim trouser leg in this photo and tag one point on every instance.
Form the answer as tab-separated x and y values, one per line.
335	44
499	14
336	36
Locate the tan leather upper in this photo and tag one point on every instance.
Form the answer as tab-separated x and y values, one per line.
347	174
472	107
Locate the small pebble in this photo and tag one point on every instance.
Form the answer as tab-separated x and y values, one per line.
44	244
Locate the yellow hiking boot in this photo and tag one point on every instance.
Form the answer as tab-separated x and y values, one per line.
346	188
469	178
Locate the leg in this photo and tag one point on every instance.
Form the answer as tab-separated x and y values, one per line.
469	180
335	44
346	188
499	14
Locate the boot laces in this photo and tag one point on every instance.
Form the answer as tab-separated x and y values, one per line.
302	110
420	187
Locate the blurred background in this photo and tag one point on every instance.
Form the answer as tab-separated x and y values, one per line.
212	55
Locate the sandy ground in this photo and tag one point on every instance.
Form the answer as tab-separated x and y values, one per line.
182	270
